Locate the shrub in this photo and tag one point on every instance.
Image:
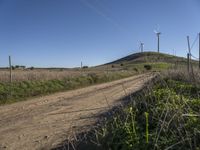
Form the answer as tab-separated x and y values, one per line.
148	67
31	68
135	69
84	67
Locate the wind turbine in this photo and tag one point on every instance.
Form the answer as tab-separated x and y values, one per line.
158	37
141	46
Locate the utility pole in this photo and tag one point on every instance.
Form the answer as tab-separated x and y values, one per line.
188	41
10	65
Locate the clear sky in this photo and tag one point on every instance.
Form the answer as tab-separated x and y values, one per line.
62	33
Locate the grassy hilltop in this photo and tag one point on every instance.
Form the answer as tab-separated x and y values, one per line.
157	61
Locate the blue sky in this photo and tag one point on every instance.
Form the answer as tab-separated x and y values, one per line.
62	33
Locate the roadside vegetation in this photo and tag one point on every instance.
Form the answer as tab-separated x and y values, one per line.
18	91
164	115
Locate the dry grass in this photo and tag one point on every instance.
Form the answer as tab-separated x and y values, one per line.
38	75
56	73
183	75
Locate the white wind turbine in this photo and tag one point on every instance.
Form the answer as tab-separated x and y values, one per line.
158	33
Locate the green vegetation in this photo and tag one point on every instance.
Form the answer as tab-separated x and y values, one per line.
142	67
165	117
18	91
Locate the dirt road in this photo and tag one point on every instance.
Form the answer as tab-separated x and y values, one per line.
42	123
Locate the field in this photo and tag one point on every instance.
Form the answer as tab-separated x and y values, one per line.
135	62
37	81
153	104
29	84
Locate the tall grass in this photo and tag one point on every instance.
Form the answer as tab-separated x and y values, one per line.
39	75
18	91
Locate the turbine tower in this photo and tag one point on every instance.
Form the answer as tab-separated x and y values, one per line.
141	47
158	38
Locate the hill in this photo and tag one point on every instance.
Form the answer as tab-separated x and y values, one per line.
151	57
156	60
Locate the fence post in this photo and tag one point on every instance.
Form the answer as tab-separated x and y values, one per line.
188	62
10	65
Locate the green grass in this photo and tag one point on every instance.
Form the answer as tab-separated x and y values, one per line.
172	122
18	91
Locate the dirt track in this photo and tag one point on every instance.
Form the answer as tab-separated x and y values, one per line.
42	123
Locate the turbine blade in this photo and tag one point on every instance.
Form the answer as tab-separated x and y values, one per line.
155	31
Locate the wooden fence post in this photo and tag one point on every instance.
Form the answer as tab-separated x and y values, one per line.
10	65
188	62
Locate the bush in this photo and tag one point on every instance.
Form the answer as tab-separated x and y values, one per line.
84	67
148	67
135	69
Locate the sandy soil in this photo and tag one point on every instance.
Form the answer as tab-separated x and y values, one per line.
43	123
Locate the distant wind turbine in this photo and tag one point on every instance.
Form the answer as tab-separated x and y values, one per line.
158	33
141	46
